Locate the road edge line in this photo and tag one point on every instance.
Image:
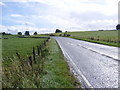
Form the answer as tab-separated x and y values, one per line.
79	72
99	52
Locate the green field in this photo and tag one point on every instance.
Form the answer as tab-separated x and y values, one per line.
108	37
17	72
49	71
22	45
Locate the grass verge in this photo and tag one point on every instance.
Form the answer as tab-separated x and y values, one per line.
99	42
106	37
57	70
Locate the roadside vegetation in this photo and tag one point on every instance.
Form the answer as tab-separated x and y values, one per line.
57	70
20	69
34	63
108	37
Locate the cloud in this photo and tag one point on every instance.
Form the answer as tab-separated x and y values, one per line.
1	3
104	6
16	15
68	15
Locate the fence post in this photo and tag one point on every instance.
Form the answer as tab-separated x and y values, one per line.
18	55
44	43
38	50
30	61
34	55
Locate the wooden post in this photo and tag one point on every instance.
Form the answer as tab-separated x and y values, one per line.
34	55
18	55
44	43
30	61
38	50
40	47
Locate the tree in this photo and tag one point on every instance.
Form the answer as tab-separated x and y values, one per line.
27	33
19	33
58	31
118	27
3	33
35	33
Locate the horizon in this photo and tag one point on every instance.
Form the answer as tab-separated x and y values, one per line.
23	33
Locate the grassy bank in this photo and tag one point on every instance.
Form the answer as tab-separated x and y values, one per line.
108	37
57	70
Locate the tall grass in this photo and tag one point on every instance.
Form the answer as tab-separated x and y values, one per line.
17	70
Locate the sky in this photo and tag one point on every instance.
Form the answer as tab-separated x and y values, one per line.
45	16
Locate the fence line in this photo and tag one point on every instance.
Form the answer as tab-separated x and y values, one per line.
35	53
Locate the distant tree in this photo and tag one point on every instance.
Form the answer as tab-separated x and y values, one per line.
3	33
27	33
100	30
118	27
58	31
19	33
35	33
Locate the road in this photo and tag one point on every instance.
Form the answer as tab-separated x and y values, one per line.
96	64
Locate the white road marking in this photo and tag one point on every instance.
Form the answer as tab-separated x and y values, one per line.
114	57
75	66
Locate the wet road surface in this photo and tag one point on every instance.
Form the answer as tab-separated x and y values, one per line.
97	64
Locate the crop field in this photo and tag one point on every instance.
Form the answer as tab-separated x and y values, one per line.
108	37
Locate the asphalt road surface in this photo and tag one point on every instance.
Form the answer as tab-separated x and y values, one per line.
96	64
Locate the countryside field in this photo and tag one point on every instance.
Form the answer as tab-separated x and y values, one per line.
19	71
108	37
22	45
16	71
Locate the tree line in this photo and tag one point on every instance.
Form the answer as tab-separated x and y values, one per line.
19	33
26	33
